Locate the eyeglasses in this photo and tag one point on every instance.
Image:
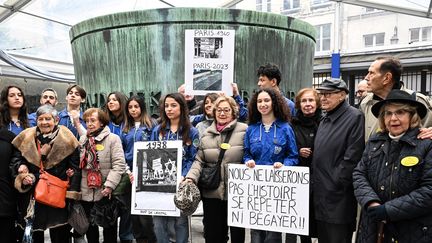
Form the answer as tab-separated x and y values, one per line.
225	110
398	113
360	91
327	94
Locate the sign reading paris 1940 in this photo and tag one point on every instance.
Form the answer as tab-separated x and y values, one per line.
209	61
157	172
269	199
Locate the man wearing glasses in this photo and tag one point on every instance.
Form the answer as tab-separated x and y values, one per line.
384	74
48	96
361	91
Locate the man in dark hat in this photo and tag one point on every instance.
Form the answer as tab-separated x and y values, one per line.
338	147
383	76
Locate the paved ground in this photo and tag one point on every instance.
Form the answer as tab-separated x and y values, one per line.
196	231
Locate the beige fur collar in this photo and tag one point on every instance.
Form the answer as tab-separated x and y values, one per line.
63	145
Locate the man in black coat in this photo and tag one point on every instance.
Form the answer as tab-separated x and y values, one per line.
338	147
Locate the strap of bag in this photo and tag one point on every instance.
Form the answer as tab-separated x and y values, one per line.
41	163
40	155
222	152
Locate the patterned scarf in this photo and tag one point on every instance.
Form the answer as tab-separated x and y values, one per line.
89	159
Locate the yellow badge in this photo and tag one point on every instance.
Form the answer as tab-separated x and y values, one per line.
99	147
225	146
409	161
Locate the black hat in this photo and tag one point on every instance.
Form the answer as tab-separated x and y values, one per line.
400	96
333	84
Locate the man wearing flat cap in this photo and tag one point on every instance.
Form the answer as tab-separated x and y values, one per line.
383	76
338	147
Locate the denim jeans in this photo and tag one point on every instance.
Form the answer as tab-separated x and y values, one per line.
262	236
125	228
167	228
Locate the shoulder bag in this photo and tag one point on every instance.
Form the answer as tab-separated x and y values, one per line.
210	177
50	190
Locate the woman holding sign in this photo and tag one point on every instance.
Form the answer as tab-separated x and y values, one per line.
213	141
175	125
137	127
269	140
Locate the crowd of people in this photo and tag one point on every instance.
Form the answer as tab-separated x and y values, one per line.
377	156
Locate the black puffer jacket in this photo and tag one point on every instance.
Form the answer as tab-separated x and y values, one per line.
399	176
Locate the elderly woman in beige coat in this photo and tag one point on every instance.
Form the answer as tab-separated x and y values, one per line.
215	203
102	163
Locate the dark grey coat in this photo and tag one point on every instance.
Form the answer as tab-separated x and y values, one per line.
339	144
405	191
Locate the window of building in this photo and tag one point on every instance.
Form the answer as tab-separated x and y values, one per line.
420	34
369	10
323	37
316	2
374	39
291	4
263	5
259	5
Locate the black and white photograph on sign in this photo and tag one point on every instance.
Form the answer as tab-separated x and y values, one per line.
208	47
157	168
206	79
209	61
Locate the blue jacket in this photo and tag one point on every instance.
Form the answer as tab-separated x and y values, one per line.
14	128
267	148
128	139
32	119
65	120
189	151
116	129
291	105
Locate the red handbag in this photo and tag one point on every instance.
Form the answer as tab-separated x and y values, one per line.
94	179
50	190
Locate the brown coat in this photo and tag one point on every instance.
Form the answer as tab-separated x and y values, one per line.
111	160
208	153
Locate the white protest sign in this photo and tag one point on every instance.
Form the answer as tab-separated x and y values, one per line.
157	172
209	61
270	199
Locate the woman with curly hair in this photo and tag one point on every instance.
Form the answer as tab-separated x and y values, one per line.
269	140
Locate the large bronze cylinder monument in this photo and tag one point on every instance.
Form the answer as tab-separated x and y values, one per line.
142	52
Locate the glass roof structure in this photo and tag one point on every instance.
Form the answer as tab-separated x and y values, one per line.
40	28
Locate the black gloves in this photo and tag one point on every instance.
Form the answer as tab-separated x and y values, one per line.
377	213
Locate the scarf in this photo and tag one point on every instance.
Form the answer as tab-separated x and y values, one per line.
46	138
89	159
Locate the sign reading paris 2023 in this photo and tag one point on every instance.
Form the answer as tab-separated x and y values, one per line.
209	61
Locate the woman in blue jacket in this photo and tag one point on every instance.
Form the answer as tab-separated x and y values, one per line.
269	140
175	125
116	110
137	127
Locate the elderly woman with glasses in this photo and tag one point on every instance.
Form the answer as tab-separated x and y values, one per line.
338	146
215	203
56	149
393	181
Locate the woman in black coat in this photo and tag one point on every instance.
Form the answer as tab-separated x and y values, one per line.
7	192
393	181
57	148
305	125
